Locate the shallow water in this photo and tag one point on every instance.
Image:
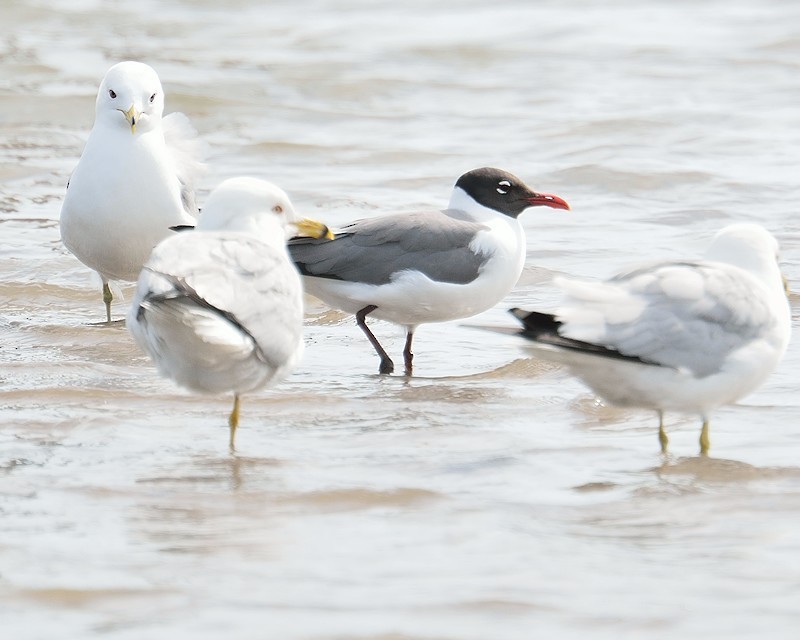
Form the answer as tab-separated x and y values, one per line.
490	496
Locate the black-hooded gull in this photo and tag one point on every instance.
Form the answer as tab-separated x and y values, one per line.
433	266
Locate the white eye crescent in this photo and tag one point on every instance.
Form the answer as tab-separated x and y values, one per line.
501	184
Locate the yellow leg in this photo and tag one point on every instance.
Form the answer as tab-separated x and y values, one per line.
662	435
705	442
107	298
233	422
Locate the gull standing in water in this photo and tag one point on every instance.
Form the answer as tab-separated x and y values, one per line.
426	267
134	180
220	308
674	336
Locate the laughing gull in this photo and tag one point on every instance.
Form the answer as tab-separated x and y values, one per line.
134	180
674	336
426	267
221	308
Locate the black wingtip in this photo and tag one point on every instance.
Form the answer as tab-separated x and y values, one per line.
536	324
545	329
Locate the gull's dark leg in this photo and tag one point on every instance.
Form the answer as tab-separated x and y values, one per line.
387	366
408	357
107	298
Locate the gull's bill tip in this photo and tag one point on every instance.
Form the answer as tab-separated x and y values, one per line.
313	229
130	115
548	200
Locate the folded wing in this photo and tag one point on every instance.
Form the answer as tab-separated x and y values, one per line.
371	251
681	315
246	291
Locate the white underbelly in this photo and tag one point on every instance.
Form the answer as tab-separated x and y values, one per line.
112	225
412	298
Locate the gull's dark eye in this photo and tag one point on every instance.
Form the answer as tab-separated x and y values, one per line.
152	98
277	208
112	94
503	186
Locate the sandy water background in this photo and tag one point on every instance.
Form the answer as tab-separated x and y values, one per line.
490	496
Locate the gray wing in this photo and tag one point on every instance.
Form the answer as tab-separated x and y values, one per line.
682	315
373	250
246	282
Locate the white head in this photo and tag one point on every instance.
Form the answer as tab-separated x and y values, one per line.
130	97
750	247
251	206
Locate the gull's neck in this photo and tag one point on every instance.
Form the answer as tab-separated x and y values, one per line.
760	264
464	203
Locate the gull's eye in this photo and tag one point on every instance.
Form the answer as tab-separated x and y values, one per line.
277	208
503	186
153	98
112	94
